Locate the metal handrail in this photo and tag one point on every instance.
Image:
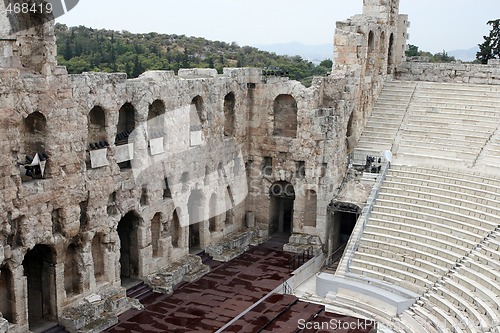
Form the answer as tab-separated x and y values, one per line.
299	259
336	255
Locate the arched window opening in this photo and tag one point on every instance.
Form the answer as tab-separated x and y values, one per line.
197	119
197	113
285	116
156	234
124	128
35	132
126	123
310	208
370	58
72	274
96	126
229	116
98	258
176	229
371	41
390	55
156	120
229	206
212	214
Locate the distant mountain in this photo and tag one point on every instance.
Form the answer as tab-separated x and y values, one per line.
313	53
465	55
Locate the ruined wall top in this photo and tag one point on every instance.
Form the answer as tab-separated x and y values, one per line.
27	39
384	9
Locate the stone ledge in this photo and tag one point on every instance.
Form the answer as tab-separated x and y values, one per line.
236	244
185	270
298	243
96	312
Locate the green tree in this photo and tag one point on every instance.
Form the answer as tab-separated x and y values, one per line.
327	63
137	69
490	49
442	57
68	53
412	51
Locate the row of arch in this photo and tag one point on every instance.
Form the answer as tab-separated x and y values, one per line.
39	264
372	62
155	121
284	111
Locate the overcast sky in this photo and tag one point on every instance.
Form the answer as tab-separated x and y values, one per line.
435	24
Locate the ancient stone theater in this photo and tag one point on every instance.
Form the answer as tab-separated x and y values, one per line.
385	168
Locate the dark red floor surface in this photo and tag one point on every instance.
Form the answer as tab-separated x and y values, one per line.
230	288
215	299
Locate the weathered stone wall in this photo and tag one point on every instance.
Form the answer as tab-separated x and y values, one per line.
72	204
219	141
451	72
331	114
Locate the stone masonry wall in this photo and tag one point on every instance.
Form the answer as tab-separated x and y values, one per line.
452	72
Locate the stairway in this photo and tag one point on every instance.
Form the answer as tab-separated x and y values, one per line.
56	329
143	293
208	260
387	116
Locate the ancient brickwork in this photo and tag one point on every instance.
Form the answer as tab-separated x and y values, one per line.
451	72
138	173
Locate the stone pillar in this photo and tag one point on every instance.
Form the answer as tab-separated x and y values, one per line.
401	40
21	298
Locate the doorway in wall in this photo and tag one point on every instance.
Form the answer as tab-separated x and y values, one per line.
282	195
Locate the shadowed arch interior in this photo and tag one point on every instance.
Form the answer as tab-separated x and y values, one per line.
282	195
39	269
129	247
285	116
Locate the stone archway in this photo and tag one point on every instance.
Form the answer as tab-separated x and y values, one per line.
195	211
282	196
39	269
229	116
344	218
390	55
7	296
129	245
98	258
285	116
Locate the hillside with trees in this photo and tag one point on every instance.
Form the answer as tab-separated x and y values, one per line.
83	49
440	57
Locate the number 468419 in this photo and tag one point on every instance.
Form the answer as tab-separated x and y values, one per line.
25	8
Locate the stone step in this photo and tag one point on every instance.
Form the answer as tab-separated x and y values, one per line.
380	121
140	293
381	129
56	329
460	127
456	106
450	133
437	88
415	135
453	117
456	97
379	135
